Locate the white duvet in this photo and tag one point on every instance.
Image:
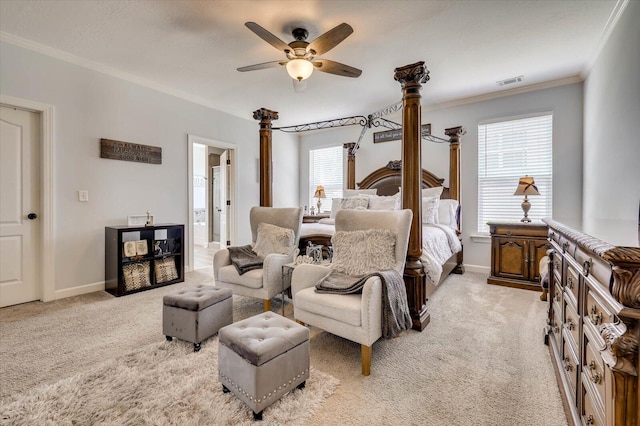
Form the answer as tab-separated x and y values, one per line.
439	243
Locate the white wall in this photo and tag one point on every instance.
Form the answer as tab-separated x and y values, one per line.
90	105
564	101
612	124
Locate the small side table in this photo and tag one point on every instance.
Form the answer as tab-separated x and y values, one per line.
313	218
287	272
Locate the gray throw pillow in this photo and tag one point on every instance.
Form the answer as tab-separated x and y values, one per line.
273	239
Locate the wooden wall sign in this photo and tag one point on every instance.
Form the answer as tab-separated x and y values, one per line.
396	134
126	151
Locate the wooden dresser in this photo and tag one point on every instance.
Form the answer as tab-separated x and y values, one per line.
516	250
594	320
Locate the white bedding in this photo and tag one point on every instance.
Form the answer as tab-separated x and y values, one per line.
439	243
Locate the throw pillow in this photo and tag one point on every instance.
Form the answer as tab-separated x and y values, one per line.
430	209
384	202
273	239
448	212
360	201
436	191
354	192
363	252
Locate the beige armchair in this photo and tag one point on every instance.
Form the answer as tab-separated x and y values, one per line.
356	317
262	283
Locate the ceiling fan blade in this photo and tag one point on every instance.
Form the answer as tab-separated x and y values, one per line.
267	36
330	39
262	66
333	67
299	86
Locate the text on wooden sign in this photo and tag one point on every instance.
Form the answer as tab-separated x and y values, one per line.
117	150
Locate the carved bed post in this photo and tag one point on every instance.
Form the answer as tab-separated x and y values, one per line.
351	165
454	134
266	176
411	77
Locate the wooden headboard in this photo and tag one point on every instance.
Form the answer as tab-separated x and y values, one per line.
388	179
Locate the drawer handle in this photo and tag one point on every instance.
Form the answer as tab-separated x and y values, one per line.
570	325
570	283
565	246
589	419
594	316
585	267
594	377
567	364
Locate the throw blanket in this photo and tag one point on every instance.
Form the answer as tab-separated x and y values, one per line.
244	259
395	308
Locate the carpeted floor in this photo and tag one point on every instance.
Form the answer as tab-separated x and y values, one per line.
481	360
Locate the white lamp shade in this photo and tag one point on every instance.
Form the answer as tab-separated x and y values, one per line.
299	69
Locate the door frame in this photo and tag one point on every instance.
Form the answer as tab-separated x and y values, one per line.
232	195
47	284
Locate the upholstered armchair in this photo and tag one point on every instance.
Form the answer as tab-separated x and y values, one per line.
266	282
356	317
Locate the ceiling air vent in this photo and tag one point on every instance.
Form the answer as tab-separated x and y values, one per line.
511	80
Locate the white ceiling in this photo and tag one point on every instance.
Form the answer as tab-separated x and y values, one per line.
193	47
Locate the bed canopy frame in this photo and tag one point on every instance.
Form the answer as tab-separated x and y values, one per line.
411	77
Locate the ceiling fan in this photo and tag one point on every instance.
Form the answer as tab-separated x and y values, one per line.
302	55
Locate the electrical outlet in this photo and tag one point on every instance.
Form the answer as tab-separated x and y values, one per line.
83	195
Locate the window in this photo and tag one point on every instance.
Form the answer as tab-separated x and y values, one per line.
325	168
508	150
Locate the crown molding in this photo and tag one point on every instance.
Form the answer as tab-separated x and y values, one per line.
504	93
113	72
613	20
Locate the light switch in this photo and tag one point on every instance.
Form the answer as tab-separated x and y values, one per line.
83	195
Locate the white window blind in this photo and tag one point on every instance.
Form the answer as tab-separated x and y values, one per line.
325	168
508	150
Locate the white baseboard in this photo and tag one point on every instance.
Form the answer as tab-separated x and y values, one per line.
477	268
77	291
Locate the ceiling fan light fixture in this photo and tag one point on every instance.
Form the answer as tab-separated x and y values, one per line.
299	69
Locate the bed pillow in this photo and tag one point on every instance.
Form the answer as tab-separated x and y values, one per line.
384	202
430	210
353	192
436	191
448	213
365	251
357	202
274	239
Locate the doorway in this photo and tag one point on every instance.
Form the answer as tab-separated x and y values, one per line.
30	223
211	199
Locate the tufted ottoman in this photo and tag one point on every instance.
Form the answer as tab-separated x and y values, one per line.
196	313
262	358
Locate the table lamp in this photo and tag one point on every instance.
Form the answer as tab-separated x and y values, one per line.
526	187
319	194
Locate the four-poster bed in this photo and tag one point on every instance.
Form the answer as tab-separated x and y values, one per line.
410	177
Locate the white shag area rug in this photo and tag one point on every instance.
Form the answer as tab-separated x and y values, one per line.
163	383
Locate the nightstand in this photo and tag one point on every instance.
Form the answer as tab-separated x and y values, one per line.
516	250
308	218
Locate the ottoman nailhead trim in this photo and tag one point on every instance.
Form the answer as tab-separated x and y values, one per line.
274	393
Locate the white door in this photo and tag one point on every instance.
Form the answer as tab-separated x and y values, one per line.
223	198
19	206
217	206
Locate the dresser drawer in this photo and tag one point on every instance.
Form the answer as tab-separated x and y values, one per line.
568	247
556	323
570	367
593	371
571	285
593	267
595	312
570	325
591	413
